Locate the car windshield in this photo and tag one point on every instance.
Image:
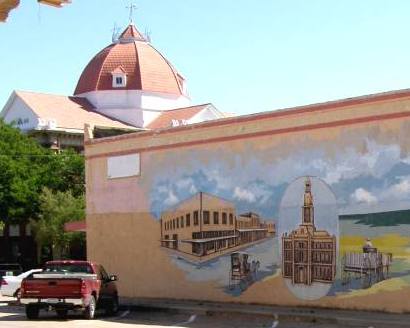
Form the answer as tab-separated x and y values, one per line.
68	268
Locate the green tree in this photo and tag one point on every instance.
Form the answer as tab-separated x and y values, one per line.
36	184
56	209
20	179
26	168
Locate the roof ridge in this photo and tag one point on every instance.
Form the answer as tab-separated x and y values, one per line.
138	64
103	62
188	107
45	94
171	67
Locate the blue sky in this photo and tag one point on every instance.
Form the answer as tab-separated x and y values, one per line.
243	56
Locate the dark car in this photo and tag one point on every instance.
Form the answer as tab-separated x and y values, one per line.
10	269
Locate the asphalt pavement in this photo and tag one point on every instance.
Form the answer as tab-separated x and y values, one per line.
203	314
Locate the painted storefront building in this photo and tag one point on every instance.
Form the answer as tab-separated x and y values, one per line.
308	206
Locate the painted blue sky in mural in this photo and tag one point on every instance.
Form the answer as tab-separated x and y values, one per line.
375	179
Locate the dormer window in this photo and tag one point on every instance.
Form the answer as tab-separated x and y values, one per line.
119	78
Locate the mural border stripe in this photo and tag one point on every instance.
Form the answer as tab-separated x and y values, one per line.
328	106
256	134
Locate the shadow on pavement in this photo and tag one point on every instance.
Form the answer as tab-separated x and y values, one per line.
142	316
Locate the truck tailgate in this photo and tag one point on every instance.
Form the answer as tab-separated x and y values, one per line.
53	288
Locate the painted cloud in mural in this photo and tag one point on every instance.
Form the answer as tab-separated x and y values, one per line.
373	179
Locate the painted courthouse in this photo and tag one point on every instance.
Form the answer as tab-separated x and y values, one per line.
355	152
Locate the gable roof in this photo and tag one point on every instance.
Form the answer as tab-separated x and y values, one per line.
119	70
164	120
69	112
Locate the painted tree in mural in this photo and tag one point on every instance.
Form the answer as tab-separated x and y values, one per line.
26	169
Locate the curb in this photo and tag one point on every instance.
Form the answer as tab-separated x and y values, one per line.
345	318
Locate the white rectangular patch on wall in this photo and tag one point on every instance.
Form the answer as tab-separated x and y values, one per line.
123	166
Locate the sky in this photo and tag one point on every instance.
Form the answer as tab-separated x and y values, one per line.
368	178
243	56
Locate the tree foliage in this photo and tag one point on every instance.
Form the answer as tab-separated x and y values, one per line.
26	168
56	209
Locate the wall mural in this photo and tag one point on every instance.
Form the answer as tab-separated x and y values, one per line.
326	223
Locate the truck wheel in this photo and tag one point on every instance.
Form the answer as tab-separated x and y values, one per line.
32	311
17	294
62	313
112	306
89	312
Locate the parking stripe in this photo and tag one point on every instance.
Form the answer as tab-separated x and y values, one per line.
191	319
276	322
124	314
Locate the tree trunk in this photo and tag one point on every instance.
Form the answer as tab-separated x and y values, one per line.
56	252
39	246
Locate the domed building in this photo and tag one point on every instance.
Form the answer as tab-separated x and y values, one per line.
132	81
127	86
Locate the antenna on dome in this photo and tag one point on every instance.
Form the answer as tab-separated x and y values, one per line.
131	8
115	33
147	35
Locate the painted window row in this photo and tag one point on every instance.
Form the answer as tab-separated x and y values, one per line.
185	221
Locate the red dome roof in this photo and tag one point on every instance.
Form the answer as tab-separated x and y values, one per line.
146	69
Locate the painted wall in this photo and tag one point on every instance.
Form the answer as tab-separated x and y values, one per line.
355	213
128	105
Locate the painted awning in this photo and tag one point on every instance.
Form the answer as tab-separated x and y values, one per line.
75	226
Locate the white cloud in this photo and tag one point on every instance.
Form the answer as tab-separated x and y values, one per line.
244	195
192	189
402	187
219	176
171	199
361	195
398	191
186	184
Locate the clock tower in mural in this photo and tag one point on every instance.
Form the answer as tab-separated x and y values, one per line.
308	254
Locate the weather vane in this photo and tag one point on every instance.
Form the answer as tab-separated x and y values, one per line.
131	8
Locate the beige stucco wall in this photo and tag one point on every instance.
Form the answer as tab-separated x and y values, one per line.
124	236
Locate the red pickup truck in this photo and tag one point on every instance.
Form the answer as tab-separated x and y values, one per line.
69	285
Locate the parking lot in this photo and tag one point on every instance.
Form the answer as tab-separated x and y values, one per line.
13	316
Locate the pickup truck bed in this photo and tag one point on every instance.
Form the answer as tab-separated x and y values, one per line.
63	289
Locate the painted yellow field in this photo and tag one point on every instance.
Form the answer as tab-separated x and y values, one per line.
396	244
